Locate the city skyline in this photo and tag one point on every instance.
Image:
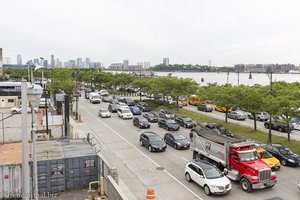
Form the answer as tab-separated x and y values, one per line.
212	33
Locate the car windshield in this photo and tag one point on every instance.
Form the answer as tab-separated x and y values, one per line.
266	154
154	138
188	120
179	137
143	120
151	115
171	122
212	173
104	111
285	151
248	156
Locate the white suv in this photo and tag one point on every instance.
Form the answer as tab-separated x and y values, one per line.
207	176
125	113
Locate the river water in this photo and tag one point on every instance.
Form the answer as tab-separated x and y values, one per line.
232	78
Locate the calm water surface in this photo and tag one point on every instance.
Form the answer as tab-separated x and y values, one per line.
233	78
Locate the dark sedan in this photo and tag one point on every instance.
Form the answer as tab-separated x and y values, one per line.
141	122
112	107
152	141
129	101
135	110
168	124
144	107
151	117
185	122
205	107
219	128
278	125
177	140
283	154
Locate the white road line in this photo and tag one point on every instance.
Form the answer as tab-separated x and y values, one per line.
144	155
184	159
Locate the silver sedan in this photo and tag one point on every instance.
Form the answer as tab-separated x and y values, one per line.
237	115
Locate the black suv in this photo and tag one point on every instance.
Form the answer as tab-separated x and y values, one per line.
283	154
144	107
141	122
152	141
168	124
278	125
219	129
185	122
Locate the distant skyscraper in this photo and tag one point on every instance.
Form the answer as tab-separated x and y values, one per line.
209	62
125	64
45	63
1	62
87	62
166	62
36	61
79	62
146	64
19	59
52	61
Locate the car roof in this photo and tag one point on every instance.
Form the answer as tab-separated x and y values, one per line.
150	134
202	164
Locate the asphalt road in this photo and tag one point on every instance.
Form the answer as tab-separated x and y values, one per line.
140	169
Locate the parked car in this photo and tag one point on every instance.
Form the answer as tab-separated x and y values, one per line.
106	98
129	101
165	114
268	158
135	110
278	125
151	117
144	107
205	107
104	113
207	176
18	110
124	113
112	107
122	105
168	124
296	125
237	115
262	116
283	154
103	93
219	128
185	122
152	141
177	140
141	122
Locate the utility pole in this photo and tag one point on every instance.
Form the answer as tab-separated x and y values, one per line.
269	74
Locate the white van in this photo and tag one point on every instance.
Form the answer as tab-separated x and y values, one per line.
94	97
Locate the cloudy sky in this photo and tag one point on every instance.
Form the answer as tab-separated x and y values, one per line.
186	31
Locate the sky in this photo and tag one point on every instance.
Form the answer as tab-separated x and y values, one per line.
227	32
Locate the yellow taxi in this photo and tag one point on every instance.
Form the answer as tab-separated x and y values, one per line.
183	101
268	158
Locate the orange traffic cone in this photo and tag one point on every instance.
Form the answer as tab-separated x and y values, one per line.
150	194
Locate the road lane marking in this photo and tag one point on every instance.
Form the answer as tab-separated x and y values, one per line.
174	178
184	159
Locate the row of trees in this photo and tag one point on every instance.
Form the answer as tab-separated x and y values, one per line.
282	101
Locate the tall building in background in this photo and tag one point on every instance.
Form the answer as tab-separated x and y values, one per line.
36	61
87	62
79	62
52	61
19	59
146	65
1	62
166	62
125	64
209	62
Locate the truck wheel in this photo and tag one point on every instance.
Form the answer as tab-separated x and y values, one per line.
246	186
206	190
283	162
188	177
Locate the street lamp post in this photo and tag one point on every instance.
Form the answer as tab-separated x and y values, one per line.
227	78
238	73
269	74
